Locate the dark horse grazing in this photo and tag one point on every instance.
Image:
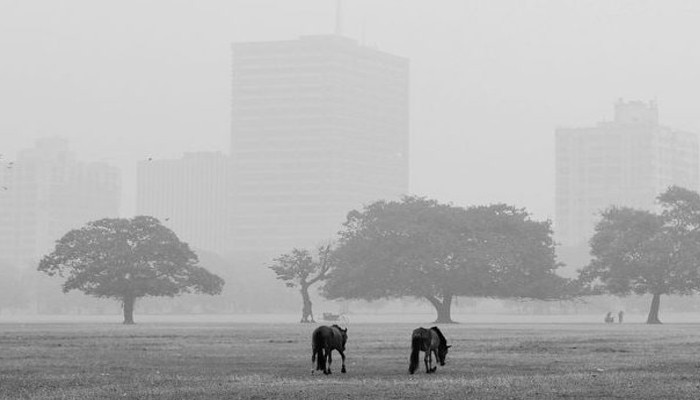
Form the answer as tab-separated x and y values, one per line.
324	340
430	341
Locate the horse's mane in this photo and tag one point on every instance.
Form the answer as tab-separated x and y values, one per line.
443	341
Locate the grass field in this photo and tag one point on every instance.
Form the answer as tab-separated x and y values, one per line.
261	361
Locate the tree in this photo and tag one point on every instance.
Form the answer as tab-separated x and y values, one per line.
299	269
418	247
127	259
637	251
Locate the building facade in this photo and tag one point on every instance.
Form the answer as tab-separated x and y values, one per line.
45	193
320	126
625	162
189	195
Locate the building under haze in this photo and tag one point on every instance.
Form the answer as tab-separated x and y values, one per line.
45	193
628	161
189	195
319	127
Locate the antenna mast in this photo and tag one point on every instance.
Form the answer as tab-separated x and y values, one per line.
339	17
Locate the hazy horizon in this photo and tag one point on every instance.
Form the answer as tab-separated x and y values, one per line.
490	81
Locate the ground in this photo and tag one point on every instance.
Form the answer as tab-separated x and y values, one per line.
273	361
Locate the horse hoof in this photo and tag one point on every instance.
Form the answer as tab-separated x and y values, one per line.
343	370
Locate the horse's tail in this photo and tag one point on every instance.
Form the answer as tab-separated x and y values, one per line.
415	349
320	360
317	351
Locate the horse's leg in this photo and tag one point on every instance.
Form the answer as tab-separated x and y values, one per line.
330	360
428	361
342	356
436	361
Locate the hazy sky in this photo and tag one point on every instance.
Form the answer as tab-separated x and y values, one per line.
490	80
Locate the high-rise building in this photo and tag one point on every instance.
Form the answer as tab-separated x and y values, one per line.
189	195
625	162
319	127
45	193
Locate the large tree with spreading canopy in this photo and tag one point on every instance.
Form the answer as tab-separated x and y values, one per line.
421	248
126	259
642	252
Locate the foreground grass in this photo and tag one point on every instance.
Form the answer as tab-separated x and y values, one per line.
190	361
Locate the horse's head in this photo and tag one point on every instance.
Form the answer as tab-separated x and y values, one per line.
442	347
343	335
442	353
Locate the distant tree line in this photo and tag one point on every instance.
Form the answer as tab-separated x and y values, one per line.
414	247
420	248
424	249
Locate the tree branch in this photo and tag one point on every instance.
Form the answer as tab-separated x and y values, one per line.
324	259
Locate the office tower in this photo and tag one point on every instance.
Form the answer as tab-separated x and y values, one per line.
626	162
319	127
45	193
189	195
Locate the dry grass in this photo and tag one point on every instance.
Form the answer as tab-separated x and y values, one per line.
488	361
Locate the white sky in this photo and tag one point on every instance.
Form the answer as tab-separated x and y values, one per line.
130	79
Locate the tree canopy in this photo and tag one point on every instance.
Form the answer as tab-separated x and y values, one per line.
127	259
418	247
299	268
638	251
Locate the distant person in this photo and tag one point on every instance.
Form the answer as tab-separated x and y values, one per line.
619	316
609	319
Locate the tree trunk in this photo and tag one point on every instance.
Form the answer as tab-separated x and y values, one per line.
307	314
128	306
653	317
442	308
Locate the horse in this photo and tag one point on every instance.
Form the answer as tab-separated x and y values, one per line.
324	340
430	341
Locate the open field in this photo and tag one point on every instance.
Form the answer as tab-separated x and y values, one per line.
256	360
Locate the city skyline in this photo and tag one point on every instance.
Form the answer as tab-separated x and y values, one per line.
189	195
490	83
46	193
319	128
628	161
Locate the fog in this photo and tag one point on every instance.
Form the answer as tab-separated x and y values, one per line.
490	81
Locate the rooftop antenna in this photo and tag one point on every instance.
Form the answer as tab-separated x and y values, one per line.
339	17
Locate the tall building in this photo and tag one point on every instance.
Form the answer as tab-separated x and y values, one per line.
189	195
319	127
626	162
45	193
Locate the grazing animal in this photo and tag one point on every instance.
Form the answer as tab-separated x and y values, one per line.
324	340
430	341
